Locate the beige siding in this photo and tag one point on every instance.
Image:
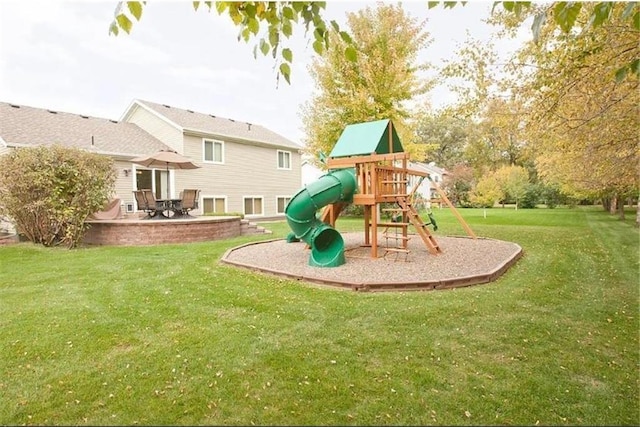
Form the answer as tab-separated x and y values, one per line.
157	127
247	171
124	184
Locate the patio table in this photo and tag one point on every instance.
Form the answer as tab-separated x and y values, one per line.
170	208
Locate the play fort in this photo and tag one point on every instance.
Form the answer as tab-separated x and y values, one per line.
367	167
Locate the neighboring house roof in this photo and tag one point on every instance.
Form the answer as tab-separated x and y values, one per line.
190	121
23	126
427	167
367	138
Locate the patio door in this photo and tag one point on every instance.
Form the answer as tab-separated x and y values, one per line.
161	184
154	179
144	179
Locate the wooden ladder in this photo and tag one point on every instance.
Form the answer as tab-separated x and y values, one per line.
401	239
420	226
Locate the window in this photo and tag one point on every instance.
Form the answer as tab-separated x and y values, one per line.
212	151
253	205
282	203
284	159
216	204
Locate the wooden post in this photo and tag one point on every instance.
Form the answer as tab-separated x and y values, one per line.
454	210
374	214
367	225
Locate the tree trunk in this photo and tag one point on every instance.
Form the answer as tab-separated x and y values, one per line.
613	207
621	211
606	203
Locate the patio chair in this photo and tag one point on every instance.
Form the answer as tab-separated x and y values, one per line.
160	206
189	200
143	204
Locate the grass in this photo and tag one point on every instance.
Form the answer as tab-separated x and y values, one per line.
167	335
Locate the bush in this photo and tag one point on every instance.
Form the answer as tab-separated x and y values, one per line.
353	210
49	191
531	196
552	197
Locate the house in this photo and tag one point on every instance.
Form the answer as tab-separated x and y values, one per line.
427	189
310	172
244	167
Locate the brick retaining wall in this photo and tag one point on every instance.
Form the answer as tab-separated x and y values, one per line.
151	232
8	239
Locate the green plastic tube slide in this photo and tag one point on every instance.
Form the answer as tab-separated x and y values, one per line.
327	245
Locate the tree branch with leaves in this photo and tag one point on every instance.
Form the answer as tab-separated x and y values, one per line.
269	23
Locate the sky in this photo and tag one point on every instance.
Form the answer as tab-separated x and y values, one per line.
59	55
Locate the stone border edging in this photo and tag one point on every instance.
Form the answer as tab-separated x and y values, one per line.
381	286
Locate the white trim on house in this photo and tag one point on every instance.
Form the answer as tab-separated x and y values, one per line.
213	197
286	158
244	199
278	212
130	109
213	151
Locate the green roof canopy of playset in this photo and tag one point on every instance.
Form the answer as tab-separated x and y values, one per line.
362	139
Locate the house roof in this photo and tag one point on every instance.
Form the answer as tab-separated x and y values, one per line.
193	121
367	138
427	167
22	126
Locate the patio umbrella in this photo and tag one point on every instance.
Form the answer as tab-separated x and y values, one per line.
167	159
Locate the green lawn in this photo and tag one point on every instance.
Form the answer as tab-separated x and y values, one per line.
167	335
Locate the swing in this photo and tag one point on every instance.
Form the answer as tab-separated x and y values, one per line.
432	220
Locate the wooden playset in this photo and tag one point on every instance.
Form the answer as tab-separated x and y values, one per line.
385	178
367	167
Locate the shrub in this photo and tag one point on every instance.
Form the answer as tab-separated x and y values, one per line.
531	196
49	191
552	196
487	192
353	210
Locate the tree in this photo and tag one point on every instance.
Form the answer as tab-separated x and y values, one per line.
444	135
565	16
571	108
375	86
502	123
513	181
486	193
458	183
50	191
583	123
495	134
